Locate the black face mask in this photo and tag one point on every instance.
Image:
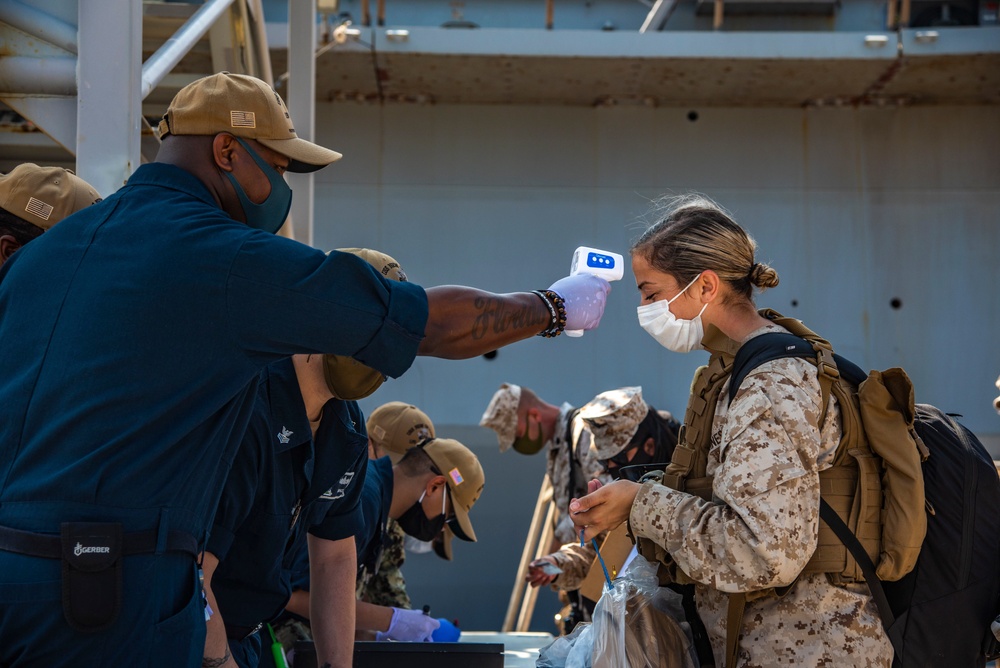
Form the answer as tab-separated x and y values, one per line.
664	433
641	457
414	521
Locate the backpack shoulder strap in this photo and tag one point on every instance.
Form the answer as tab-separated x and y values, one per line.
777	345
849	370
851	542
764	348
571	435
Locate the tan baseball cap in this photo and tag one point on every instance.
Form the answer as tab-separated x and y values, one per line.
465	478
396	427
384	264
244	106
44	195
613	418
501	414
346	377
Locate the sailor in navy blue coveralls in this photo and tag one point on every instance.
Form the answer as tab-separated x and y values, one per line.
131	338
376	499
407	484
283	484
129	377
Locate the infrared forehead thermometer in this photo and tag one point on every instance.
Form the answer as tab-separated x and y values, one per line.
609	266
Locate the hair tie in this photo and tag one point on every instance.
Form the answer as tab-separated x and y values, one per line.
753	268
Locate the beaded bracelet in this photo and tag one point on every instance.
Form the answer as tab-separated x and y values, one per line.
552	310
557	312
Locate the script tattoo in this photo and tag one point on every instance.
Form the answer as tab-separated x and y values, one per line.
494	316
215	663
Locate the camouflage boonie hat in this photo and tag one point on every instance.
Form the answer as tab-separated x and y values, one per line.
501	414
613	418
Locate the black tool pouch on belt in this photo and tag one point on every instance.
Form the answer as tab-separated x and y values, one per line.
91	574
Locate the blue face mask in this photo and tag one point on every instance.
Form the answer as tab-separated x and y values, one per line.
270	214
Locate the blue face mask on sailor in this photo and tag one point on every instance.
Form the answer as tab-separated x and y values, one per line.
270	214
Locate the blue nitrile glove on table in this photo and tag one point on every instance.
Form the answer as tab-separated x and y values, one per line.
447	632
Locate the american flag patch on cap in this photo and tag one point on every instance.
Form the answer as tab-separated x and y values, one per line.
242	119
456	477
38	208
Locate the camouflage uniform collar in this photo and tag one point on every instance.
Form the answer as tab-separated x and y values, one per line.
769	327
718	343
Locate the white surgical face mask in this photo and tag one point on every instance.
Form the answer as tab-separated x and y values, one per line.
414	546
680	336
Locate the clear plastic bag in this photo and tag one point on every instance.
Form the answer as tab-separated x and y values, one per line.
580	655
569	651
635	624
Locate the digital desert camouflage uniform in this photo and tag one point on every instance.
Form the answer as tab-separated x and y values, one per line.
562	451
611	418
575	561
572	558
570	443
762	528
387	587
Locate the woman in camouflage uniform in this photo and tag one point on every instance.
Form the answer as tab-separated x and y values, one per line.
695	269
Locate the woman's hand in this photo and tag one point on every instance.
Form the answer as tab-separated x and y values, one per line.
604	508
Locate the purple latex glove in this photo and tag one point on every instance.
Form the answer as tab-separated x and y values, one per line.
585	296
409	625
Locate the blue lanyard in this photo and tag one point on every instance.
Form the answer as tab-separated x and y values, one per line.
593	541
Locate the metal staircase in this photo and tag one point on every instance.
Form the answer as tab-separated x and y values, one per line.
70	70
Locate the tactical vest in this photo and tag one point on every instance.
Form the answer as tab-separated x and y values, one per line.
875	483
852	485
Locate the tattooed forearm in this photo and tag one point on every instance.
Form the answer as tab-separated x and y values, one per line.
215	663
494	316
